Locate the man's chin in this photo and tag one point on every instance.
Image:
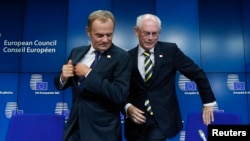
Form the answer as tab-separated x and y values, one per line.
149	46
104	48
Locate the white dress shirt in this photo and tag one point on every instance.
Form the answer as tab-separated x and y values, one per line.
141	59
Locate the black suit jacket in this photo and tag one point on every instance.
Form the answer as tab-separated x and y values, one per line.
161	89
105	89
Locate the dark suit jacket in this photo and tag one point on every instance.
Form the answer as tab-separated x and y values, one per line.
105	89
161	90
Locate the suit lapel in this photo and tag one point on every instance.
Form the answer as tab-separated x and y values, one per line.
80	55
159	56
76	59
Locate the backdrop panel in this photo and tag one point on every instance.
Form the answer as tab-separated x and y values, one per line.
180	25
248	95
11	27
44	34
221	36
126	13
8	99
37	93
246	32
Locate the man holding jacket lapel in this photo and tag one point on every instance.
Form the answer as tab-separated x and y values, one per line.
98	92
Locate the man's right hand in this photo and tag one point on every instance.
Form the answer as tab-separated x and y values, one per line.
67	71
136	115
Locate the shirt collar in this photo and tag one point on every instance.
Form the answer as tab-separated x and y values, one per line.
141	50
91	50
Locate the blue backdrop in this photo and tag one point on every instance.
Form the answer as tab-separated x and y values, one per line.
36	37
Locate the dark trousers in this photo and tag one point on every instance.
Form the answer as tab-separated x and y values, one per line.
74	134
150	131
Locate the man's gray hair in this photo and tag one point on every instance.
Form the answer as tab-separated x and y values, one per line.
143	17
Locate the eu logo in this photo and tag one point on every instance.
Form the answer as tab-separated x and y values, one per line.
190	86
239	85
42	86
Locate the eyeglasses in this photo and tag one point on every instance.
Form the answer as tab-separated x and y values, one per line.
148	34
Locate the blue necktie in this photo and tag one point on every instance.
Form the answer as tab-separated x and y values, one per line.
97	57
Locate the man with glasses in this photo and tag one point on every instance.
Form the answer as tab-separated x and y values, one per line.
152	109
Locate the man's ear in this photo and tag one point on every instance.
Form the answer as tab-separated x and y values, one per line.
136	30
88	30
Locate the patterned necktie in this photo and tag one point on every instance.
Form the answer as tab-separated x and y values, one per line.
148	64
149	109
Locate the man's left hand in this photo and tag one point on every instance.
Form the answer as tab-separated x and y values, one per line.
208	114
